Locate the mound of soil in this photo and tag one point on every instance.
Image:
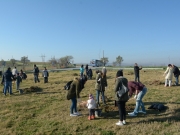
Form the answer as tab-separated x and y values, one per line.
113	108
32	89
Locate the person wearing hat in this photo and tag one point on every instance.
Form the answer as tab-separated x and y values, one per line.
91	105
7	80
121	102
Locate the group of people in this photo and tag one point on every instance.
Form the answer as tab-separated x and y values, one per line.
14	76
135	88
45	74
171	69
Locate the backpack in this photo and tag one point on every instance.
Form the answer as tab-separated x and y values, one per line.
122	91
36	70
157	106
67	86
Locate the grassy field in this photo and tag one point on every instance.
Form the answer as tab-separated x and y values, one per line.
46	112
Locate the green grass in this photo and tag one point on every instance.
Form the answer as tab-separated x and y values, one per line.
47	112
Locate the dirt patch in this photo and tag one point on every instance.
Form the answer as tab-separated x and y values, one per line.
156	82
32	89
115	108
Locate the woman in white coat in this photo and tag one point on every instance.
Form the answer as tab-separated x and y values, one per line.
168	75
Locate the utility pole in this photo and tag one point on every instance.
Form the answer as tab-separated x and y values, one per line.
43	58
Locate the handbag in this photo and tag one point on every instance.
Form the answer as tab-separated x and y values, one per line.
122	90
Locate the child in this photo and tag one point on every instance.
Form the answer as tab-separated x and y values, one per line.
91	105
45	75
18	81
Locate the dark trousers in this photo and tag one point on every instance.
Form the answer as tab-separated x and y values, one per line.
122	110
45	79
91	112
36	79
137	79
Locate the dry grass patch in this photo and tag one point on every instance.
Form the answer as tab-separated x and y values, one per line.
44	110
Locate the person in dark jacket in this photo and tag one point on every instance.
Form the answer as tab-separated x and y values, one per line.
139	90
7	80
176	74
74	94
18	81
89	73
136	72
36	74
121	102
86	68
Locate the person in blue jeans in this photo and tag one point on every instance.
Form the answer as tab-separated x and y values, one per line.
74	95
7	81
101	83
139	90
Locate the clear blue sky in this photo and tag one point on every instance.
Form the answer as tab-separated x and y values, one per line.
142	31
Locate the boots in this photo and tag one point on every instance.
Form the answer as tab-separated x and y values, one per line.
89	117
92	117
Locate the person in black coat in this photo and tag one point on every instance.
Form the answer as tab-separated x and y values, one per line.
176	74
136	72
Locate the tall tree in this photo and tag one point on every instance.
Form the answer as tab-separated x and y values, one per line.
104	60
119	60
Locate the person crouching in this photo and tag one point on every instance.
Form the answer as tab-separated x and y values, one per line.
91	105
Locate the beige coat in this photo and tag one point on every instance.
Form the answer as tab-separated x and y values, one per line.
169	73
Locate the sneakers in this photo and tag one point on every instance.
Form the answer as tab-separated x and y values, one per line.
76	113
132	114
73	114
124	122
120	123
142	112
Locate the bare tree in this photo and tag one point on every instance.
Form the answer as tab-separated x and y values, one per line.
119	60
13	61
53	61
65	61
25	61
104	60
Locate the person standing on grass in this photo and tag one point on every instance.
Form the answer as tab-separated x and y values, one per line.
121	102
176	74
86	68
81	70
168	75
7	80
18	81
74	94
139	90
101	83
89	73
36	73
91	105
14	71
136	72
45	75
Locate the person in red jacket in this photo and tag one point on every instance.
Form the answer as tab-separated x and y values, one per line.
139	90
